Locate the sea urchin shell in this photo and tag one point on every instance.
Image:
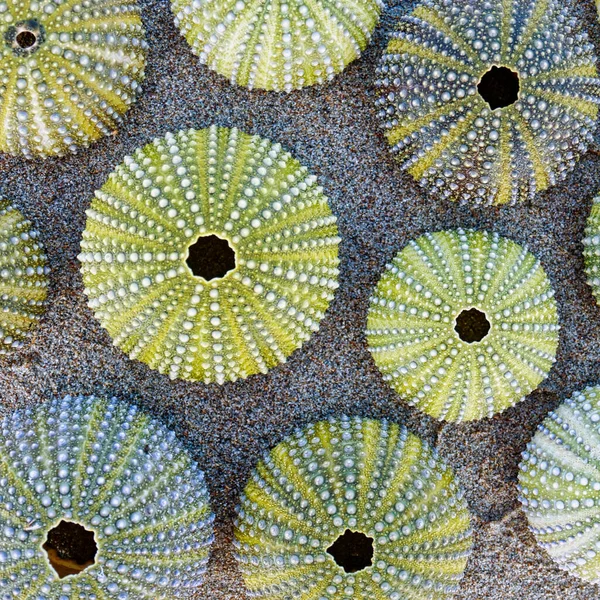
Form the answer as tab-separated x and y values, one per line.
68	71
463	324
23	276
591	251
210	255
559	484
275	45
351	509
489	102
98	501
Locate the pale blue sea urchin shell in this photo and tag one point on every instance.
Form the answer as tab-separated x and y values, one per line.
274	45
68	72
210	255
352	509
489	102
118	474
463	324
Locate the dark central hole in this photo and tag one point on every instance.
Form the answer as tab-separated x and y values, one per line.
353	551
472	325
71	548
26	39
210	257
499	87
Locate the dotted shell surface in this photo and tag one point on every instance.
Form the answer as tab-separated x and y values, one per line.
559	484
443	131
23	278
242	189
275	45
591	248
116	472
68	72
369	476
411	328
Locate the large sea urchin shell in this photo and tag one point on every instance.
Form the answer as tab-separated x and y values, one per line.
273	233
23	276
463	324
352	477
68	71
534	68
559	484
119	474
591	251
275	45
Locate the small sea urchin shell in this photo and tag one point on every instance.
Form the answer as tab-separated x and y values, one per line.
352	509
275	45
559	484
68	71
591	251
23	278
489	102
210	255
100	467
463	324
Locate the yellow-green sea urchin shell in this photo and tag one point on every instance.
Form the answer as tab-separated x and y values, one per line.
591	251
68	71
120	475
251	196
559	484
23	278
372	478
275	45
463	324
528	52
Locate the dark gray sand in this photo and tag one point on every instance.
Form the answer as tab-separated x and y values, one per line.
333	130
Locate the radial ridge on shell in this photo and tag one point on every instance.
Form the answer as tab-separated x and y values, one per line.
591	248
99	502
352	509
463	324
69	70
210	255
559	484
488	102
274	45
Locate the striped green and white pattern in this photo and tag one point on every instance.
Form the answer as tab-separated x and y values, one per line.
412	324
109	468
448	137
68	72
591	248
23	278
242	189
559	484
274	45
366	476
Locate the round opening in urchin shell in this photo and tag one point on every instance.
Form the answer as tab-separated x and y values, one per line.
353	551
499	87
210	257
26	39
71	548
472	325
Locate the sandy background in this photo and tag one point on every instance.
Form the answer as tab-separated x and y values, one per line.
333	130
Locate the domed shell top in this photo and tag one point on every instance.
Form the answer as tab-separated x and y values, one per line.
559	484
68	72
591	248
275	45
210	255
489	102
110	469
370	482
463	324
23	278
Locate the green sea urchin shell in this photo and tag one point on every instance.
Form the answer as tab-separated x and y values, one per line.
559	484
463	324
120	475
275	45
253	199
488	103
370	478
23	278
68	71
591	251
